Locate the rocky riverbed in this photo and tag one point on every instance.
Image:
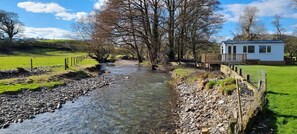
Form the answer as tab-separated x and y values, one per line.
207	111
21	72
26	104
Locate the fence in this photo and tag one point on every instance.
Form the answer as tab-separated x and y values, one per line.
244	122
40	63
74	61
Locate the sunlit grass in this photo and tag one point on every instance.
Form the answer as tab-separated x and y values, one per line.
282	95
43	58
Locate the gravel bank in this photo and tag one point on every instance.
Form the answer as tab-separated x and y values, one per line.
206	111
26	104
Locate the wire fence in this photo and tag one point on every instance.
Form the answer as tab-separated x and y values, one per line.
40	62
251	106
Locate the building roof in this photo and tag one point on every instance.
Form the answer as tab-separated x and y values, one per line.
253	42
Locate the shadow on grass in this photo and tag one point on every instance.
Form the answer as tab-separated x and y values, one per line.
276	93
33	51
267	121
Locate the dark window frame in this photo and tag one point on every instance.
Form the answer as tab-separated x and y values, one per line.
244	49
262	49
251	50
270	49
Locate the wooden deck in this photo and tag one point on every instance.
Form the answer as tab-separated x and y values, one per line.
212	58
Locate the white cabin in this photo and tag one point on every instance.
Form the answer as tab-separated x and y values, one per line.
262	52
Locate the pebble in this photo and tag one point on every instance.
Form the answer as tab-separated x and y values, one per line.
24	105
221	102
204	111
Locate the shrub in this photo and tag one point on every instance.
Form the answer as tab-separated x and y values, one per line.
211	84
227	86
228	89
227	81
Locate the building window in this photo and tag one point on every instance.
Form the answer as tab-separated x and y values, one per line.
251	49
244	49
262	49
229	49
268	49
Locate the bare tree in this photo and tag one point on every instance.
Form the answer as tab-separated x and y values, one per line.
277	24
125	28
96	33
171	9
10	24
159	28
249	26
291	46
196	23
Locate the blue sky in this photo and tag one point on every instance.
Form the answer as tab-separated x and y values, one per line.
53	18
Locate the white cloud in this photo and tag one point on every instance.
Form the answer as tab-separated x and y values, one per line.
219	39
100	3
81	15
59	11
66	16
38	7
47	33
266	8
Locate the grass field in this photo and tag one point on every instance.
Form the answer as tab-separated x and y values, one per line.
59	41
282	95
41	58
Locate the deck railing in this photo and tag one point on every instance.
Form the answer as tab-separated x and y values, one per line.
212	58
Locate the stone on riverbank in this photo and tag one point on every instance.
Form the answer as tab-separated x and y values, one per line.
26	104
202	110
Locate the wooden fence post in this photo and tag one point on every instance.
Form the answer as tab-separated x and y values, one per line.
240	72
31	65
248	78
239	104
65	64
236	70
74	60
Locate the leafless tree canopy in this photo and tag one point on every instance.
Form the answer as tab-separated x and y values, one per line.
159	30
277	24
250	27
9	24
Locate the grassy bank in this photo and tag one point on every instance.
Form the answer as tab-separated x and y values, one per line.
282	95
41	58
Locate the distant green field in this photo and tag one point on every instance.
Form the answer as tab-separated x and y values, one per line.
40	57
59	41
282	95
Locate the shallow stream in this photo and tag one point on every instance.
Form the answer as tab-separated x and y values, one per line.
143	103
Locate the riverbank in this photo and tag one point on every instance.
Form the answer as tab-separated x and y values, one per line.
24	105
204	107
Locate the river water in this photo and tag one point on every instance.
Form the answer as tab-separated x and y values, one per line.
141	104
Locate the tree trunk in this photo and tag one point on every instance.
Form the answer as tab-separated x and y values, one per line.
171	10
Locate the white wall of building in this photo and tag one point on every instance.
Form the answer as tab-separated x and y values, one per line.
277	51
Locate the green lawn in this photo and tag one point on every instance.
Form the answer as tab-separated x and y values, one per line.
40	57
282	95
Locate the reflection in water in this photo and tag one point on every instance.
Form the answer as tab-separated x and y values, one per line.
141	104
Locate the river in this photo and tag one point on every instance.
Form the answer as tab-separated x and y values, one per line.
141	104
